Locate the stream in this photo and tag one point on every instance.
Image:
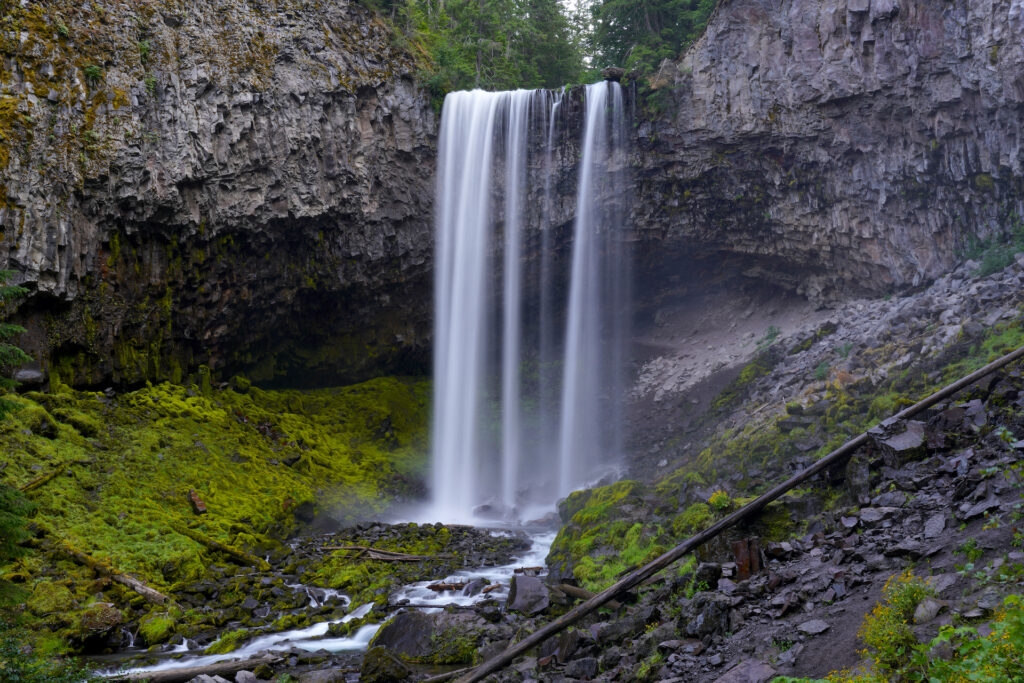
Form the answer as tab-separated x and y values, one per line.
311	638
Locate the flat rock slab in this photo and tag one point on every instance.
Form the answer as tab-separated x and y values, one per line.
528	594
749	671
813	627
935	525
876	515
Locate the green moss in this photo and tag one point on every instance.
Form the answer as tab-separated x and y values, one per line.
598	542
694	518
156	628
984	182
84	424
49	598
760	366
453	646
228	642
253	458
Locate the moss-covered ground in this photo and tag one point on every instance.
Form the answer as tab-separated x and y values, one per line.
264	463
611	529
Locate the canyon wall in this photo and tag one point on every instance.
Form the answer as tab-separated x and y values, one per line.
242	185
837	146
191	182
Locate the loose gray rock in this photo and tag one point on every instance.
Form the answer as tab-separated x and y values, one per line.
748	671
813	627
528	595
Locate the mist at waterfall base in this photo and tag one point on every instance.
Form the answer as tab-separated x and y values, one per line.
531	307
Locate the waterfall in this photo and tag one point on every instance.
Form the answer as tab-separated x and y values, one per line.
526	375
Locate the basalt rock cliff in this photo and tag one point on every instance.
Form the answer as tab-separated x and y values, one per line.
837	146
246	186
205	182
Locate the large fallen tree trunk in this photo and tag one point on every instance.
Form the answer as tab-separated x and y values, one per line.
179	675
100	567
241	556
749	510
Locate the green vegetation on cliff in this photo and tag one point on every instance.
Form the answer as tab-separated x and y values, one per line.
639	34
490	44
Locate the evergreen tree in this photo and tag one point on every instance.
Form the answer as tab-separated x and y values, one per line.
13	509
638	34
491	44
10	355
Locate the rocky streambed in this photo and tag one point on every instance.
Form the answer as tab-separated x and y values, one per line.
324	597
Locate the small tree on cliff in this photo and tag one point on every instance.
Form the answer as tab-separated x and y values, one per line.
10	355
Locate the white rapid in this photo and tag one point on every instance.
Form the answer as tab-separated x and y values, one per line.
529	315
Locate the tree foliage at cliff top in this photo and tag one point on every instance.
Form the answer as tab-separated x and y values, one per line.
503	44
639	34
491	44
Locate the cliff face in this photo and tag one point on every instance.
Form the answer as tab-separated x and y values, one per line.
207	182
243	185
837	146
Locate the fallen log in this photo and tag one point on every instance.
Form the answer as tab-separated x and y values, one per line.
492	587
217	546
439	587
441	678
39	481
427	605
387	555
584	594
100	567
523	570
180	675
749	510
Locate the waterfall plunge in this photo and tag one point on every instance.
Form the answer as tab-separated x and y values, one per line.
526	376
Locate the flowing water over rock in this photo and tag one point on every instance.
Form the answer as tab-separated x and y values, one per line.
523	370
324	639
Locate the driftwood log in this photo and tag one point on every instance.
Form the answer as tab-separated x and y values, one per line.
438	587
749	510
180	675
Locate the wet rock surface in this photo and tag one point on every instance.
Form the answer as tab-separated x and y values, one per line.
295	594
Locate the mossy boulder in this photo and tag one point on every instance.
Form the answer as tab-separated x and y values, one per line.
50	598
228	642
157	627
98	618
430	638
382	666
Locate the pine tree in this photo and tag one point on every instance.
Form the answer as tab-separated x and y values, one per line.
638	34
10	355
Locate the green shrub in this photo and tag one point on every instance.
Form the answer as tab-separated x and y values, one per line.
93	74
19	664
821	372
886	629
10	355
